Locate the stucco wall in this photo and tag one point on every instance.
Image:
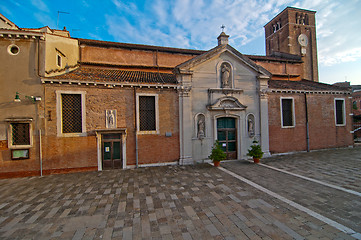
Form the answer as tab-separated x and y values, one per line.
69	52
19	73
207	76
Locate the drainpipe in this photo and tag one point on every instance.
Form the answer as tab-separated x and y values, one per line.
307	126
40	154
135	127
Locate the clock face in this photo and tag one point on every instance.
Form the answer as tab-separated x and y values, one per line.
303	40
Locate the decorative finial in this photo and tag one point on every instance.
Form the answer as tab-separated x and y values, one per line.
223	27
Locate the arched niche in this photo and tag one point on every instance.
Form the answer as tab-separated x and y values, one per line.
251	125
225	75
200	125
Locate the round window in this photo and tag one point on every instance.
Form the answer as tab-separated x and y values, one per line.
13	49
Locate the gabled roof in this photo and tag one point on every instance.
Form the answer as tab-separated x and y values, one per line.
116	75
8	23
184	67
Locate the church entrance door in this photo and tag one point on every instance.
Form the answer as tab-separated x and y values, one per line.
227	136
112	151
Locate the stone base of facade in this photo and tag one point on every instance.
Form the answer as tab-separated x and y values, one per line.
187	160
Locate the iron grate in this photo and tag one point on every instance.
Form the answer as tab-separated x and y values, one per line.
20	133
71	110
147	118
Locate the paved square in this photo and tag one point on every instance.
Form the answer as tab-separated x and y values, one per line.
179	202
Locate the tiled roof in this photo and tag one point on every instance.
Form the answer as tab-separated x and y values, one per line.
115	75
304	85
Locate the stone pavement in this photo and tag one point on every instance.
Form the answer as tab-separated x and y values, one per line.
175	202
341	167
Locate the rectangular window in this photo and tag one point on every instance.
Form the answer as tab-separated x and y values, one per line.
147	117
58	60
20	133
147	114
340	116
287	112
71	112
70	108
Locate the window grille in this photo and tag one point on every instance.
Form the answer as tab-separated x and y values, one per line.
287	113
20	133
147	115
72	113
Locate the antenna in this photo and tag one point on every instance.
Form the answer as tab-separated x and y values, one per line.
57	23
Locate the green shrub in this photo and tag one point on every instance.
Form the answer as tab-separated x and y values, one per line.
255	151
217	153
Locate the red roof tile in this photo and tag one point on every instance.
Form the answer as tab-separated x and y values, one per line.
115	75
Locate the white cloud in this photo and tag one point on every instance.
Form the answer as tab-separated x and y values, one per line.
337	30
39	4
196	24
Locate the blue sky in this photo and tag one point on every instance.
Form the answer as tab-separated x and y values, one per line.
195	24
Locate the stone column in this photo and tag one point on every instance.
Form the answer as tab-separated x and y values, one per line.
263	98
185	121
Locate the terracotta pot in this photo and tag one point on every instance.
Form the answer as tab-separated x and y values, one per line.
256	160
216	163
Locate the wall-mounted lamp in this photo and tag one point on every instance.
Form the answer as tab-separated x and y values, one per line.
31	98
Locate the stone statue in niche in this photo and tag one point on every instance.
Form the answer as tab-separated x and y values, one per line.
201	126
225	75
110	116
250	126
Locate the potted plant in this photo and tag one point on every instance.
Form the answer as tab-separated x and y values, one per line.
217	154
255	151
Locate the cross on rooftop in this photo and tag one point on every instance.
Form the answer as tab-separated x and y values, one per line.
223	27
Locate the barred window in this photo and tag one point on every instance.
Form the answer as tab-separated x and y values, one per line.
340	112
20	133
287	112
71	113
147	113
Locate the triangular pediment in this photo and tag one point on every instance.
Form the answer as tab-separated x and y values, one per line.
185	68
227	103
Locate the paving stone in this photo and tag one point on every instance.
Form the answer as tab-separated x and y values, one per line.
180	202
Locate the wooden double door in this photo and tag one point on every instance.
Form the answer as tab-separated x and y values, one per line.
112	151
227	136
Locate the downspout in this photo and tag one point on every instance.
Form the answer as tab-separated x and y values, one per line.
40	154
135	127
307	126
37	114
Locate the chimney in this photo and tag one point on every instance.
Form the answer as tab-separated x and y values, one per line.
223	39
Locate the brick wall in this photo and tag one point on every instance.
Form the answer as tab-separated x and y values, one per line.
323	132
81	152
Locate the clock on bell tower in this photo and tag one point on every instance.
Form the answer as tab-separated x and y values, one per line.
293	31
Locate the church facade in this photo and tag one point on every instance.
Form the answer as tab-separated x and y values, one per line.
117	105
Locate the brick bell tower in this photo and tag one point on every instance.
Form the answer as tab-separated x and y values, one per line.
294	31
